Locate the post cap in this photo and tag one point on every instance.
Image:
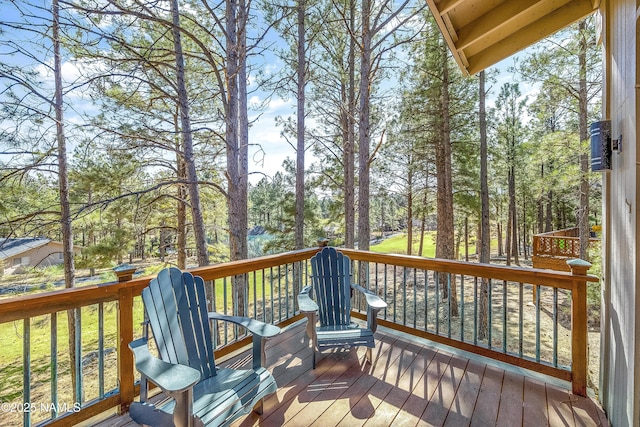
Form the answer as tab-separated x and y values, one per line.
124	272
579	266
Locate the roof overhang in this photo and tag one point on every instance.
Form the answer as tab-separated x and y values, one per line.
481	33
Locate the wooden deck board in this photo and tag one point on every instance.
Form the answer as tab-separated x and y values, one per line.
534	406
465	400
438	407
559	407
410	383
511	400
485	412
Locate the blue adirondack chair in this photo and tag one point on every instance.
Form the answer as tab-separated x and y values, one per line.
331	287
202	393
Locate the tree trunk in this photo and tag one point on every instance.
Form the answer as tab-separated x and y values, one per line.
524	227
424	217
485	232
299	219
583	211
499	232
63	185
512	222
181	208
242	251
445	235
466	239
182	219
548	223
187	141
409	211
364	130
349	142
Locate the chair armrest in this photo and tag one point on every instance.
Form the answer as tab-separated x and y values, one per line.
172	378
256	327
305	303
373	301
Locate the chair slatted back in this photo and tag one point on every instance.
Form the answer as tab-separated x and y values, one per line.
176	307
331	279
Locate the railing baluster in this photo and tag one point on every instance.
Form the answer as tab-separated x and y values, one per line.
449	304
78	338
395	294
367	273
255	295
537	323
214	324
462	308
490	314
279	293
376	266
475	310
224	304
504	316
521	319
555	327
286	287
385	290
26	366
101	350
54	365
264	299
273	308
426	299
415	298
436	279
404	296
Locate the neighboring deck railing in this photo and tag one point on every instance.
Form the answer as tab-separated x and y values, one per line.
560	243
524	335
552	250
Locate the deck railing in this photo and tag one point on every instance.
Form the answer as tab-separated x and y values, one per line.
108	317
550	337
563	243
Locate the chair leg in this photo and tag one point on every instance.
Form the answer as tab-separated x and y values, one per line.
259	407
370	355
313	357
183	411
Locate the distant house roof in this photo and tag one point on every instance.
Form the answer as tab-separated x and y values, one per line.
12	247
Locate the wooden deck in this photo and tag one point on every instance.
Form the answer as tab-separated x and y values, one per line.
411	383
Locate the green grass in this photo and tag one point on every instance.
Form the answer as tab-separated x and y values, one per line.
398	245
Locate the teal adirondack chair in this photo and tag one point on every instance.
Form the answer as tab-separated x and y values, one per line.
331	288
202	393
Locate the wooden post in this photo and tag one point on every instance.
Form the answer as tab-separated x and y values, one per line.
579	339
125	356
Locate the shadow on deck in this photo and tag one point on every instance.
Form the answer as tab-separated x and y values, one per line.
411	383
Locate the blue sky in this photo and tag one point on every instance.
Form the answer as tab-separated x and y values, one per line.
273	148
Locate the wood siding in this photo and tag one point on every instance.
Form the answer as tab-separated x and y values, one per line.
619	350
